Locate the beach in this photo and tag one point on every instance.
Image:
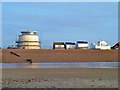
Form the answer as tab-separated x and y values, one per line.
60	78
50	55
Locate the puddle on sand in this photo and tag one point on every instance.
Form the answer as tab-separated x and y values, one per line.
112	65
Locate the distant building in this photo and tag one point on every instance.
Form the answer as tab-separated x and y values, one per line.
116	46
82	45
70	45
28	40
58	45
11	47
100	45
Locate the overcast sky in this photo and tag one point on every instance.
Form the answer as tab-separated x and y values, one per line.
61	21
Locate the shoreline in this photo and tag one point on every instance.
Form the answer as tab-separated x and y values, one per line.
50	55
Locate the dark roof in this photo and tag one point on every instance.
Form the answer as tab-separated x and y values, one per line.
29	32
116	45
70	43
81	42
58	43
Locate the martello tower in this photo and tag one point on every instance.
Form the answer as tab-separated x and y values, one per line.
28	40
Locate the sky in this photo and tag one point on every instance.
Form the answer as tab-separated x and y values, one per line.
60	21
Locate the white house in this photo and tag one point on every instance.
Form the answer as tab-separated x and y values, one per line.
82	45
100	45
70	45
58	45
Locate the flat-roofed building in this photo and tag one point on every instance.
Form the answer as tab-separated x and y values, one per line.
58	45
28	40
82	45
70	45
100	45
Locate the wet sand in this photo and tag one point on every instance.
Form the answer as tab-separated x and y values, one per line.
60	78
50	55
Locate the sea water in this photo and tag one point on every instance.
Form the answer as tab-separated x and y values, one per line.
110	65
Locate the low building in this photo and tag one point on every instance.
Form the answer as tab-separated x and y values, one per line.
11	47
100	45
82	45
58	45
70	45
116	46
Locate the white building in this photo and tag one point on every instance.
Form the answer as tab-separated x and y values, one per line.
58	45
100	45
28	40
70	45
82	45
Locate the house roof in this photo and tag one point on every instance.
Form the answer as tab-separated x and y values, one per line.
81	42
29	32
101	43
116	45
70	43
58	43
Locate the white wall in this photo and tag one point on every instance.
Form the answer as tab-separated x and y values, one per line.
36	45
102	47
29	47
70	46
28	38
82	44
29	43
59	46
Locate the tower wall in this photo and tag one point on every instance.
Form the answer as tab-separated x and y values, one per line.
28	41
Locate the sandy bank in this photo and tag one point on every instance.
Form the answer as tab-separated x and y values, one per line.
43	55
60	78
